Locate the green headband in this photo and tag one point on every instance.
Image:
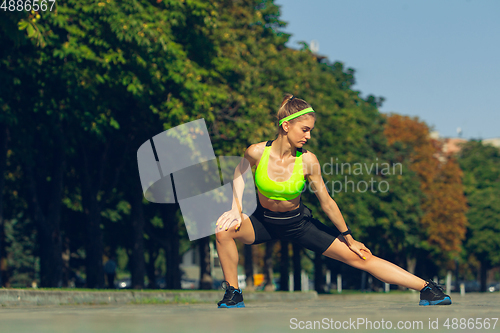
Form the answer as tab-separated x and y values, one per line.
296	114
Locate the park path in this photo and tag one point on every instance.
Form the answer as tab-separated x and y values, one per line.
328	312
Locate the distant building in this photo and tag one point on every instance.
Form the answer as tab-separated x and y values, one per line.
452	145
494	142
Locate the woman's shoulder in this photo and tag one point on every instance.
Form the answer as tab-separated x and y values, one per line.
309	159
254	152
308	155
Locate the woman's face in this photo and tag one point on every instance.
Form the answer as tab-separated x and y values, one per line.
299	132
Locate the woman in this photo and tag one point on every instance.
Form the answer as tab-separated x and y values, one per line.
282	168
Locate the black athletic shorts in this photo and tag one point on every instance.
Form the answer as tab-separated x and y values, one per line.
297	226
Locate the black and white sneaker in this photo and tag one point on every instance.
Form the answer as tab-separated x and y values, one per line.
233	298
433	294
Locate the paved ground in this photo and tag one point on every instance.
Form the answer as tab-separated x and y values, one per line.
332	311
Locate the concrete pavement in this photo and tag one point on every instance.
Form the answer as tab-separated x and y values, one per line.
362	313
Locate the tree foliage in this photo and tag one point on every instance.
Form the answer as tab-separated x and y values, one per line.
443	204
481	165
84	86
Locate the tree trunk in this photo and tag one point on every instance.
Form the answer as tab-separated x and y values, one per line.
54	213
93	194
94	246
91	186
284	266
3	166
484	273
411	263
171	227
151	271
138	264
297	267
66	257
364	277
319	278
206	280
48	225
247	252
268	267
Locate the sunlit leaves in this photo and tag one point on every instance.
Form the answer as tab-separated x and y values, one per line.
481	165
440	177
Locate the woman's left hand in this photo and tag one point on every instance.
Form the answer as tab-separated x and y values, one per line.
358	248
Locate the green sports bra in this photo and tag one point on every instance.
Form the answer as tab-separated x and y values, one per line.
287	190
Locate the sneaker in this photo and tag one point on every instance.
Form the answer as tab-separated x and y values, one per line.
233	298
433	294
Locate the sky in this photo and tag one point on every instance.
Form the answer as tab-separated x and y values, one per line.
438	60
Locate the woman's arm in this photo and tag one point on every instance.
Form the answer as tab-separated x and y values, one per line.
329	206
234	215
239	183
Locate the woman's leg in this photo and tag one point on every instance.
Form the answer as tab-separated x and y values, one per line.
381	269
226	248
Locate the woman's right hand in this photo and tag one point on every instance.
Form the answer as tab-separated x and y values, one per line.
357	247
228	219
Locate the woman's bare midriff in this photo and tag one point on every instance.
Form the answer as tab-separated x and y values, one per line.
279	205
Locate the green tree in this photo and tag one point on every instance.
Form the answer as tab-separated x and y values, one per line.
481	166
3	167
113	60
443	223
91	81
43	169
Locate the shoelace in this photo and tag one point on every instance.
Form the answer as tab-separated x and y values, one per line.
229	291
433	285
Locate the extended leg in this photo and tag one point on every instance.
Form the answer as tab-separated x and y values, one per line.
381	269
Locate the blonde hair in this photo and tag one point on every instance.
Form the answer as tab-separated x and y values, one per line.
291	105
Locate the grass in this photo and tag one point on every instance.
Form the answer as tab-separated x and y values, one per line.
82	303
176	300
359	292
332	292
112	290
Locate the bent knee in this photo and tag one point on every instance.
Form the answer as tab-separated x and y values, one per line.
230	233
221	234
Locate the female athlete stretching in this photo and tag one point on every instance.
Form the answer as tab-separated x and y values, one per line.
282	169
